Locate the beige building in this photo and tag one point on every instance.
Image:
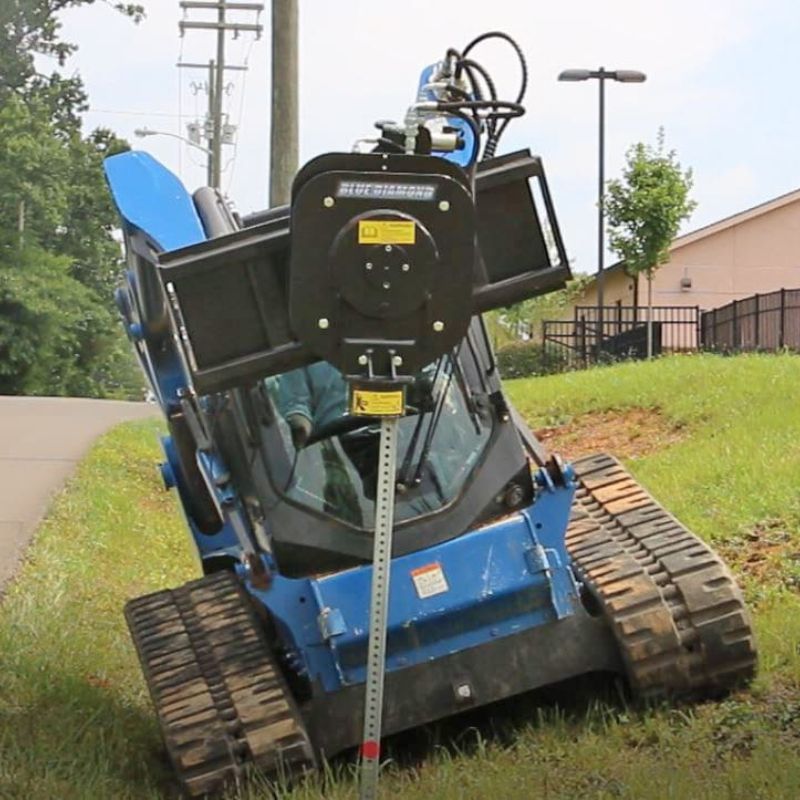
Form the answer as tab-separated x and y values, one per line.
755	251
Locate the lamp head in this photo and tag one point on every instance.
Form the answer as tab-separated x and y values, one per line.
629	76
575	75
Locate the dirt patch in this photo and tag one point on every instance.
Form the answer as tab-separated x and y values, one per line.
769	555
630	433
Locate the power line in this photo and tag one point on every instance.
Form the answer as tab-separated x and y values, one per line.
128	113
180	109
242	93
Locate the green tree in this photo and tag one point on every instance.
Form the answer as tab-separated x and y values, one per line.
645	209
32	27
59	260
507	325
55	337
86	231
33	173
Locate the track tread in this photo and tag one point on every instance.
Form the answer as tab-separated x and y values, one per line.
673	605
220	698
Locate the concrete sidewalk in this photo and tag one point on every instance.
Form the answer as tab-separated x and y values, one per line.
41	441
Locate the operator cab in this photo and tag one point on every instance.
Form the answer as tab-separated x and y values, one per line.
335	471
317	496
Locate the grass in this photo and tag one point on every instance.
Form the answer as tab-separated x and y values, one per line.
74	717
75	720
737	465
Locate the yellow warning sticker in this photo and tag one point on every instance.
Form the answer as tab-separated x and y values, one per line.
377	404
394	231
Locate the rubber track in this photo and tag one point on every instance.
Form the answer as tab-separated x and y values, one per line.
221	700
675	608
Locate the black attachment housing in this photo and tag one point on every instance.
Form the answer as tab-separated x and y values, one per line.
246	305
382	261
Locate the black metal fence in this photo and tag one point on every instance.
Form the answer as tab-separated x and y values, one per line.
619	332
762	322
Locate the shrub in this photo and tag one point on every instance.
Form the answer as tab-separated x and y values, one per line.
524	359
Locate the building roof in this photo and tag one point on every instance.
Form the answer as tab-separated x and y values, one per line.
724	223
736	219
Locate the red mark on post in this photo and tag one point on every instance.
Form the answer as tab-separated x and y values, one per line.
370	749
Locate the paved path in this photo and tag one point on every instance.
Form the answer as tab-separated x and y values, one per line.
41	441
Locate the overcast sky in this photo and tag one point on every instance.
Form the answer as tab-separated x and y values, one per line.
721	78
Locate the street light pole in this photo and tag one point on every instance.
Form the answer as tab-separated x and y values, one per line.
601	246
601	76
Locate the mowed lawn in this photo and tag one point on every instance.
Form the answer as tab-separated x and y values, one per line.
75	719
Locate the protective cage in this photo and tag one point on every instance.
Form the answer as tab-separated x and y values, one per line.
230	295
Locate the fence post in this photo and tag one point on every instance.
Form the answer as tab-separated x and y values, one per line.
698	342
714	326
581	325
782	334
735	326
757	340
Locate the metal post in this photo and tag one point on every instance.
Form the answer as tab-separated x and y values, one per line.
649	315
716	330
284	124
601	204
756	314
379	608
219	89
601	75
582	339
212	80
699	328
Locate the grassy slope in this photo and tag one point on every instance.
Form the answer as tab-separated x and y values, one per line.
741	461
74	717
74	721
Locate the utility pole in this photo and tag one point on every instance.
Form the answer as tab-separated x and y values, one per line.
284	124
212	167
216	131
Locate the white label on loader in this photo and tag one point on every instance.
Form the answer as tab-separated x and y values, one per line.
429	580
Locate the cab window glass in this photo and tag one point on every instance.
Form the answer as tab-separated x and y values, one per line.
335	454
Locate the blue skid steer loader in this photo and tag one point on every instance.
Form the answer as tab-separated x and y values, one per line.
369	509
